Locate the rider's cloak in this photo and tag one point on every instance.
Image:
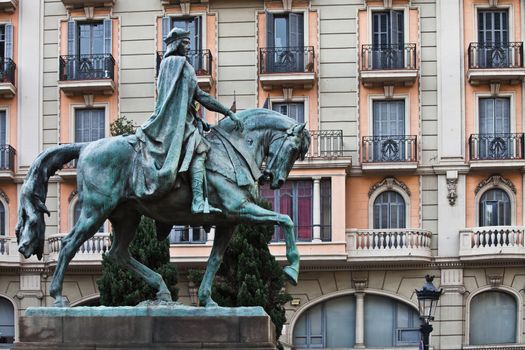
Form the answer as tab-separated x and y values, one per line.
165	143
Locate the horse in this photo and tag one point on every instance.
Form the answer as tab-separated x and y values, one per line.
105	166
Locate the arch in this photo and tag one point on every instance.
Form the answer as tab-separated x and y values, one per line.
89	300
12	303
496	182
323	298
505	289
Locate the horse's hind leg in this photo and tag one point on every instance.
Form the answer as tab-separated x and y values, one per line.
85	228
223	236
125	227
253	213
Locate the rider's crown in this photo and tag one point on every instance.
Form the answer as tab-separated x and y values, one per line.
176	34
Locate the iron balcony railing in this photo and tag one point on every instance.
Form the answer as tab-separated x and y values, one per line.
393	56
496	146
304	233
326	144
395	148
86	67
7	157
201	60
495	55
300	59
7	71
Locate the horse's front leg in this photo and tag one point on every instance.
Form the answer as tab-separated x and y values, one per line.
253	213
222	239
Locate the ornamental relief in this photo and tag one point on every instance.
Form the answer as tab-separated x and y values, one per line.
389	183
495	180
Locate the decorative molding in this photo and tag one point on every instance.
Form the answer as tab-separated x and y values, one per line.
389	183
4	196
185	7
287	93
494	89
90	12
495	180
495	280
89	100
389	91
360	283
72	195
387	4
493	3
452	188
451	277
287	5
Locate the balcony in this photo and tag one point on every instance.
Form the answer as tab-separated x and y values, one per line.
397	152
495	63
201	60
87	74
388	65
488	150
326	149
492	243
69	4
287	67
8	5
389	245
7	161
90	253
9	251
7	78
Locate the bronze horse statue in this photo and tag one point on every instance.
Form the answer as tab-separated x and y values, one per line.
104	167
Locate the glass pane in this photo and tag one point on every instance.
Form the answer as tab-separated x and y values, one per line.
7	321
379	334
281	32
493	319
340	322
495	208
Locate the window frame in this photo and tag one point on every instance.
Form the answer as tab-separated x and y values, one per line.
504	94
295	99
72	113
306	20
486	7
507	190
377	193
389	212
406	20
397	97
172	17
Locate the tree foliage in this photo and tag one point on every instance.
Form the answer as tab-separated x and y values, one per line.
250	275
121	125
120	287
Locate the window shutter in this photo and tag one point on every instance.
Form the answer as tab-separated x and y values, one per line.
3	128
108	31
166	27
269	30
8	41
198	34
296	29
397	25
72	38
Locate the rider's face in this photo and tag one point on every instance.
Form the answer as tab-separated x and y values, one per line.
184	47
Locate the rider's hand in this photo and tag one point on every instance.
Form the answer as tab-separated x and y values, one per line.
205	125
238	123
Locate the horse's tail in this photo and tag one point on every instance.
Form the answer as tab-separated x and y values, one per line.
33	193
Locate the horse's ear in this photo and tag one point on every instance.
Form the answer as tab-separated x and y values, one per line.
298	129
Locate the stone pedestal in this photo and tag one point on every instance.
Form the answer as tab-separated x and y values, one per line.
158	327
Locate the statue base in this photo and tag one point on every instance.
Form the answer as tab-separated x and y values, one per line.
149	327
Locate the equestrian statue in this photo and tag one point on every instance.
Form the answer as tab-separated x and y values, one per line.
169	171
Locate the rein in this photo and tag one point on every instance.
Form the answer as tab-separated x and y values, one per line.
284	137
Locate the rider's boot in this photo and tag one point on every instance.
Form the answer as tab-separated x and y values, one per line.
198	171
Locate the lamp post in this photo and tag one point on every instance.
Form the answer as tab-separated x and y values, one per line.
428	297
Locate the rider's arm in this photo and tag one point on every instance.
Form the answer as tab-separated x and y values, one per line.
210	103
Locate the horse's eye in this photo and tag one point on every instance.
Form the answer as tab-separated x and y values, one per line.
250	142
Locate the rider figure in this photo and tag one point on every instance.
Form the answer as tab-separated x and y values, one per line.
175	143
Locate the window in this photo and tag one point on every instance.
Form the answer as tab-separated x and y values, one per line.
494	208
187	234
293	110
327	325
6	40
388	39
90	124
493	38
76	216
5	154
389	140
7	322
295	199
285	42
2	219
495	140
493	317
389	211
399	324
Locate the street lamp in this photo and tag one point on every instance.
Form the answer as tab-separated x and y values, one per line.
428	298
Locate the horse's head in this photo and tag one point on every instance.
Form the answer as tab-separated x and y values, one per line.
283	151
30	228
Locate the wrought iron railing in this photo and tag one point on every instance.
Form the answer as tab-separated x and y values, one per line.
326	144
304	233
300	59
394	56
496	146
495	55
395	148
187	235
7	71
201	60
86	67
7	157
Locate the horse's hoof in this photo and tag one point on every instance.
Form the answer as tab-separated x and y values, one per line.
291	274
61	302
208	303
163	296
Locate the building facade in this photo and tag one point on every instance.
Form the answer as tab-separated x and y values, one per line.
416	111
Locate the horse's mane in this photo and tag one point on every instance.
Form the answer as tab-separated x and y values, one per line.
260	118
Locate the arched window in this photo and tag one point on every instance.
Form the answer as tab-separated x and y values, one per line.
2	219
389	211
7	322
494	208
399	324
493	317
76	215
327	325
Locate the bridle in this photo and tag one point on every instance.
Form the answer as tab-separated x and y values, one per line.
284	137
